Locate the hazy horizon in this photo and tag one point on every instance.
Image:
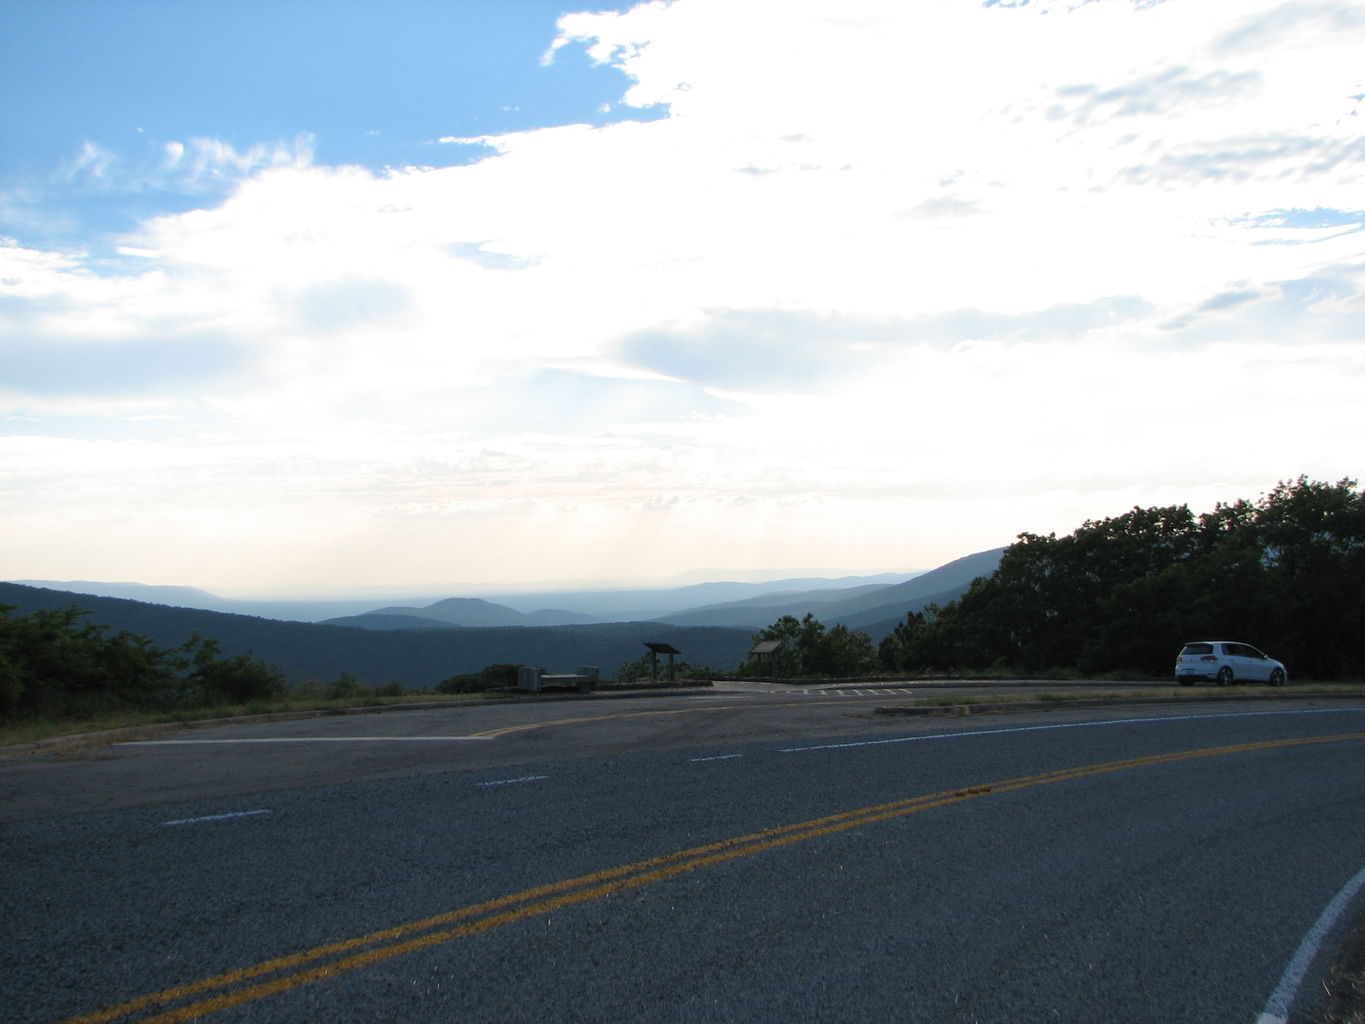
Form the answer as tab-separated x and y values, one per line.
305	592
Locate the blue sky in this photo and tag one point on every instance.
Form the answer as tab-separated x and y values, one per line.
367	85
469	293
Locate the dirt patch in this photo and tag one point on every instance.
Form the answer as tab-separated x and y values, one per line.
1345	1003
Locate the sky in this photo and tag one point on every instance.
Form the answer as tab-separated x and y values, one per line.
329	293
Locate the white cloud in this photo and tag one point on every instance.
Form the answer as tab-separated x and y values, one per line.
94	162
197	166
890	283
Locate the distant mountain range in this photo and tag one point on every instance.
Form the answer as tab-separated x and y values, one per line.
876	609
419	645
193	597
533	608
471	612
418	658
873	606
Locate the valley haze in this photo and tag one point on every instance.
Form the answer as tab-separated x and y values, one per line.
605	602
420	645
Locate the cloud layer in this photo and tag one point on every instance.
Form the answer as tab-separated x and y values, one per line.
889	283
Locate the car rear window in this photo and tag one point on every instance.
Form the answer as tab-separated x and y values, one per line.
1198	649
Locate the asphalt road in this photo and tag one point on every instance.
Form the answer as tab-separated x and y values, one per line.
729	857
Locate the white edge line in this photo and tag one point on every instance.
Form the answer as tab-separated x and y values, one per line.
510	782
309	739
1277	1007
213	817
1065	725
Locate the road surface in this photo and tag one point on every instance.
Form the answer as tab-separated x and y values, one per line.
727	857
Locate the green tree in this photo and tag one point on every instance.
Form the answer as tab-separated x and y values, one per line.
898	648
1283	572
54	663
210	679
643	667
491	677
809	649
1313	538
844	652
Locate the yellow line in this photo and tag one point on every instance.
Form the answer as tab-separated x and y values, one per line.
409	938
529	726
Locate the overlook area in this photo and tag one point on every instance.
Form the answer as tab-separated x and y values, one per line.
1117	596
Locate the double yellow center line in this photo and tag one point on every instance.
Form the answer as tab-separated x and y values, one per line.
272	977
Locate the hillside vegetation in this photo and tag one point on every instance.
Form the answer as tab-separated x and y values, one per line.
104	632
1285	573
54	664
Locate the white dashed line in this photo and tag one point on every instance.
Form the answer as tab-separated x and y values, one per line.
512	782
213	817
721	757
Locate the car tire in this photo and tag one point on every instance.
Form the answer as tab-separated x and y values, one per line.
1277	677
1225	677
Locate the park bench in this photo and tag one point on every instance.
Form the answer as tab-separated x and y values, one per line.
532	680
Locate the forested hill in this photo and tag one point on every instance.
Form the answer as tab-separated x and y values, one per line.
1285	573
418	658
874	608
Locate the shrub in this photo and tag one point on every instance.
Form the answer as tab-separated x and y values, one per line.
310	690
644	667
491	677
345	685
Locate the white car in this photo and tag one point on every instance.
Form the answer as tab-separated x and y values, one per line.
1225	663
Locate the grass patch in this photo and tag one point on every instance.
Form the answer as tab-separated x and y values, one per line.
32	731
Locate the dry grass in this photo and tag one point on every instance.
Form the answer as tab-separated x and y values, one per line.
37	730
1346	987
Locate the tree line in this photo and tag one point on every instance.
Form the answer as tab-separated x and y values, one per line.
807	647
1285	573
54	664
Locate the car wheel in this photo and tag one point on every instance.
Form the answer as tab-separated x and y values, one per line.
1277	677
1225	676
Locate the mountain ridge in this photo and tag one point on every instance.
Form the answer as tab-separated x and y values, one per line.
870	609
550	607
420	646
419	658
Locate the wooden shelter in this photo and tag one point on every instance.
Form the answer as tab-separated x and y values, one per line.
656	649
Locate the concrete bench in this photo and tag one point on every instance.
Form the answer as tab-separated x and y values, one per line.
532	680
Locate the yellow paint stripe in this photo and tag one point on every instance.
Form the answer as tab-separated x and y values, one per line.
408	938
530	726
